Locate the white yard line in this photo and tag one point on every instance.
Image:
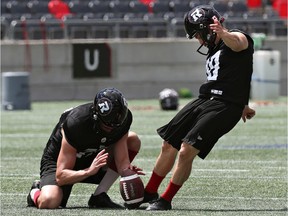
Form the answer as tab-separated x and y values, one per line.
179	197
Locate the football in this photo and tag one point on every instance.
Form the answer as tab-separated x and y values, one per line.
132	190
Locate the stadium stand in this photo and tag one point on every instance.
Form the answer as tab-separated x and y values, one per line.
221	7
59	8
79	7
179	9
138	9
30	19
38	8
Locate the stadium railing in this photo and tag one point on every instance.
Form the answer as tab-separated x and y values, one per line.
30	19
121	28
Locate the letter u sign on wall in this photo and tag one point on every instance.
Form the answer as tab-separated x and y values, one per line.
91	60
91	66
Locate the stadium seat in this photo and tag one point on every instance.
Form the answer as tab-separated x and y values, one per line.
4	9
38	8
138	9
180	9
17	8
195	3
221	7
100	8
120	8
237	8
160	8
79	7
4	2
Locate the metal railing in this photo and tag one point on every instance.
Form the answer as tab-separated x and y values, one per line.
120	28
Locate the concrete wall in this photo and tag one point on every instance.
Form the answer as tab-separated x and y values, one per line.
140	68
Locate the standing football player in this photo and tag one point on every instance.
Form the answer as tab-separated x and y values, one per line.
222	101
91	143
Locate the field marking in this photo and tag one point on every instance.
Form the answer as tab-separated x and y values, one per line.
229	198
154	136
152	159
243	147
179	197
224	137
220	170
193	175
26	135
20	158
254	146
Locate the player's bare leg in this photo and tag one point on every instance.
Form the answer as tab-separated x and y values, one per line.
133	142
163	166
50	197
165	160
183	166
181	173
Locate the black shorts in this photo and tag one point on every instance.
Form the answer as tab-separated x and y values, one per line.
201	123
48	174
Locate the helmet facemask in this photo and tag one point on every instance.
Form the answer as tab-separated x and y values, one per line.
208	38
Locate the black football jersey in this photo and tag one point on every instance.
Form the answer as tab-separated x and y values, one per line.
82	132
229	73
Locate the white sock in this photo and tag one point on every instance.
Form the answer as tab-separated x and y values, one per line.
109	178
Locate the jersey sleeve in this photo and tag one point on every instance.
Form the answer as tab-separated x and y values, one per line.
71	130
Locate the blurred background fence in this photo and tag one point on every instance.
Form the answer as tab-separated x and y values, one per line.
35	19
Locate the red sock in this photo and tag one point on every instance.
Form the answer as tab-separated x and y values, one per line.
170	192
154	183
132	155
36	196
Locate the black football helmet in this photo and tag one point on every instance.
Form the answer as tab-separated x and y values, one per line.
197	21
169	99
110	107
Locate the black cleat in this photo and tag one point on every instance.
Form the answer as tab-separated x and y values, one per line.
159	205
132	206
102	201
30	202
150	197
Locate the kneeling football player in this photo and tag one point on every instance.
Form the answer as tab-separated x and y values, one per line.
91	143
